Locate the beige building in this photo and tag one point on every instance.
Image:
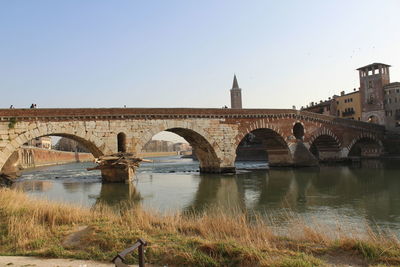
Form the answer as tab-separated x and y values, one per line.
158	146
348	106
327	107
182	147
41	142
392	106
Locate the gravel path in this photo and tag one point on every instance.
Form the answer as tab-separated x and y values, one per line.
13	261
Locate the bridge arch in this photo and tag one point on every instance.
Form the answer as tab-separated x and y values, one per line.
207	152
255	126
266	141
324	144
365	145
323	131
94	144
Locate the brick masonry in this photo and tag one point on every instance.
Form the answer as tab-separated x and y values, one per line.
213	133
35	157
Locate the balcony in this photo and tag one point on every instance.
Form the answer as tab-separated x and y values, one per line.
348	113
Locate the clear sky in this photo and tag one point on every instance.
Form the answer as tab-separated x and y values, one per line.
184	53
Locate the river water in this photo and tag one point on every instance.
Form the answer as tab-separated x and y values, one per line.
366	193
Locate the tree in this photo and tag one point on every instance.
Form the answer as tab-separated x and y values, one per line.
66	144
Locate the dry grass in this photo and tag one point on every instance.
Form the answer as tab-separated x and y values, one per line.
37	227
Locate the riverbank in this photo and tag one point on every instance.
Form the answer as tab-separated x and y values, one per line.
41	228
157	154
28	158
42	262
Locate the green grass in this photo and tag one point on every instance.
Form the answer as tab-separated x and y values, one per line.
300	260
12	122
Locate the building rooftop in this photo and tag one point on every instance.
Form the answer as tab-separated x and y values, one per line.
353	92
319	104
391	85
370	66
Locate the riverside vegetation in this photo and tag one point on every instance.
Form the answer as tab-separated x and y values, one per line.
30	226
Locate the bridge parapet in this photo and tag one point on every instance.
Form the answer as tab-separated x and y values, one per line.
174	113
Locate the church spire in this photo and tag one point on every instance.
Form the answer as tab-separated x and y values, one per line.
235	83
236	94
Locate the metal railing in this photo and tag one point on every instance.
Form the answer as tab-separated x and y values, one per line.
348	113
120	258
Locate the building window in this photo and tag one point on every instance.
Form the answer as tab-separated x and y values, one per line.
371	99
369	84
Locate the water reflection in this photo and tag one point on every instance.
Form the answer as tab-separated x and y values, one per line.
365	191
73	187
222	192
34	186
115	194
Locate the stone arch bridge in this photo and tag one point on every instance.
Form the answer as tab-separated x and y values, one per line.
215	134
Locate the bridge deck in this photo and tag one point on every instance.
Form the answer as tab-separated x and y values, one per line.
182	113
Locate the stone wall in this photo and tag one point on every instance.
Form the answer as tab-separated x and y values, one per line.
35	157
30	157
214	134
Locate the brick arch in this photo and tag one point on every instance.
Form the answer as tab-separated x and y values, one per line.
207	149
262	124
275	143
361	136
164	126
322	131
94	144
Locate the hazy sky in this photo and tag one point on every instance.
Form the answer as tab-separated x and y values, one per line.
184	53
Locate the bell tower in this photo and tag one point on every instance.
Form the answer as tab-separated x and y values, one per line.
236	94
373	78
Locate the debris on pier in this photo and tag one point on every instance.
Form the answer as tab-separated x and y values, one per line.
119	167
6	180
